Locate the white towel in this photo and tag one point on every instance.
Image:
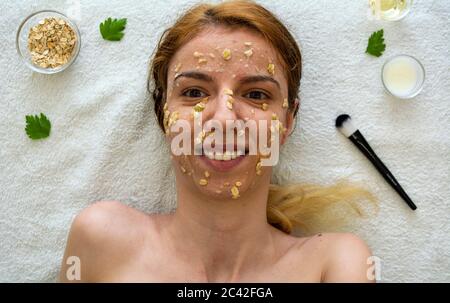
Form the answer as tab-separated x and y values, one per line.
105	143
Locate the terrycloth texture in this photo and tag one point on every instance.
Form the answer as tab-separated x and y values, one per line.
105	143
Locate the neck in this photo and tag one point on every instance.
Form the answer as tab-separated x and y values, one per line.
222	237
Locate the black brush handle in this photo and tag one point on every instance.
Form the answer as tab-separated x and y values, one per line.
358	139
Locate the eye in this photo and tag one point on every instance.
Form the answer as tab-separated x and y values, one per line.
258	95
194	93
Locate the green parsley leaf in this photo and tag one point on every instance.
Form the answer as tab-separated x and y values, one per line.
111	29
376	44
37	127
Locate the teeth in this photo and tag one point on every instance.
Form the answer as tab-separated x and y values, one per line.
218	156
227	156
210	155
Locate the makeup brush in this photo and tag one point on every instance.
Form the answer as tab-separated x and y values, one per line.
345	126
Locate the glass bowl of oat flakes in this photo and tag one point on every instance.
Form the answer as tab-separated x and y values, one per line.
48	42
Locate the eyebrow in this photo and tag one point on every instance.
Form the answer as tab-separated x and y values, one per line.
259	78
194	75
208	78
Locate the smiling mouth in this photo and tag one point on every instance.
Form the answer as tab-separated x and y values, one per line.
225	154
222	162
222	159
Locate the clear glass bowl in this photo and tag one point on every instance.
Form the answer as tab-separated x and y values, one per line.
403	76
390	10
22	40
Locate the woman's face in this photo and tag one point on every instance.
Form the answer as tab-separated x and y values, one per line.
222	75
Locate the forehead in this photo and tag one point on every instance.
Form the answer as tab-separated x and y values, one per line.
210	44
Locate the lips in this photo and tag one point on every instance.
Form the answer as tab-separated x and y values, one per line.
223	165
221	157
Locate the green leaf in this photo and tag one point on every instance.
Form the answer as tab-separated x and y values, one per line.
111	29
37	127
376	44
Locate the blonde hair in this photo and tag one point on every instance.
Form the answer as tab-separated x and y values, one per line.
305	206
288	206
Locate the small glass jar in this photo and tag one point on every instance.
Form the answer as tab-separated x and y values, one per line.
390	10
23	35
403	76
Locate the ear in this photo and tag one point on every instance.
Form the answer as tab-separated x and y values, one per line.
290	121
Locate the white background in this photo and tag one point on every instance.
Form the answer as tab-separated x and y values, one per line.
105	143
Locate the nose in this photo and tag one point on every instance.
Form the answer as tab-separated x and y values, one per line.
222	108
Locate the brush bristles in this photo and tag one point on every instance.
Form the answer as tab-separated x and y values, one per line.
345	125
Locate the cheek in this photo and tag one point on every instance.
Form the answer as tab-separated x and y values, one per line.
265	119
174	113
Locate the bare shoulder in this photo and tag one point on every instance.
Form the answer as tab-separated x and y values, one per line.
102	233
332	257
105	219
345	258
